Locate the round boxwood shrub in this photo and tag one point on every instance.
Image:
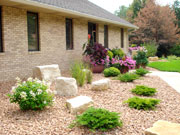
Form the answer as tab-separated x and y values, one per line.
112	71
32	94
141	71
128	77
144	90
142	103
98	119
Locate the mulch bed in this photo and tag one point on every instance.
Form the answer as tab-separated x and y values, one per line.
55	120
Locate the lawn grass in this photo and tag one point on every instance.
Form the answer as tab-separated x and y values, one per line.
170	66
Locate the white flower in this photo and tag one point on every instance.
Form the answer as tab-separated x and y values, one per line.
54	100
55	92
30	79
49	91
48	84
39	91
18	79
23	95
13	89
45	102
32	93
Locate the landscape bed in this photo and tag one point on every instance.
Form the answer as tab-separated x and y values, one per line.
55	120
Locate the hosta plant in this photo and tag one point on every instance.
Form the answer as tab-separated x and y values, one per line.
142	103
98	119
32	94
144	90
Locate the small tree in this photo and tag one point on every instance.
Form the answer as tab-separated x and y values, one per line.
156	23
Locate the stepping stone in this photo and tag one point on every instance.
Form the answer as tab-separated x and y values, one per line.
103	84
66	86
163	128
79	104
47	72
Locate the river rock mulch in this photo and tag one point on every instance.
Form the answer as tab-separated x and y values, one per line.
55	120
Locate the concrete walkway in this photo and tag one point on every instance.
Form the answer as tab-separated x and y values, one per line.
172	78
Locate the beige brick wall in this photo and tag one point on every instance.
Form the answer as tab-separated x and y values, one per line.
17	61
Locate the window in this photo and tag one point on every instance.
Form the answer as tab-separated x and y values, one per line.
105	36
92	30
1	45
69	34
122	38
33	31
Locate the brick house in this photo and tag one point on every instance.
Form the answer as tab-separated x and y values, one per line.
42	32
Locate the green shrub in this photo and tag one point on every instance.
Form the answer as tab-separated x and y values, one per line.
112	71
78	73
175	50
110	54
89	77
133	45
117	52
32	94
141	71
128	77
151	49
141	58
144	90
172	57
98	119
142	103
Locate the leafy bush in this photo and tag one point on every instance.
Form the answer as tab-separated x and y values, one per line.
78	73
117	52
175	50
142	103
144	90
32	94
112	71
141	71
172	57
98	119
151	49
141	58
110	54
128	77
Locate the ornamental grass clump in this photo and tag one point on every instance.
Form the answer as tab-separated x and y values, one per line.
98	119
32	94
142	103
141	72
128	77
78	73
144	90
112	71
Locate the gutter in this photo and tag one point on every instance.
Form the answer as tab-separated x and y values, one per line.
58	9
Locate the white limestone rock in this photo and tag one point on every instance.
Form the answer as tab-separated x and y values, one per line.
66	86
103	84
47	72
162	127
79	104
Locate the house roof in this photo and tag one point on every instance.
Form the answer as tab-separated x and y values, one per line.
88	8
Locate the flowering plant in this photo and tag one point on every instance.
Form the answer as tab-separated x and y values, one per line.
32	94
97	54
137	48
125	62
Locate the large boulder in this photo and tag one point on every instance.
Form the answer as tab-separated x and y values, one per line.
79	104
103	84
47	72
153	58
66	86
163	128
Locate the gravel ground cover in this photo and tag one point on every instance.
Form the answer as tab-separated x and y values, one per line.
55	120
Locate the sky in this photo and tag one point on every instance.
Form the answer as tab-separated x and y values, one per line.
112	5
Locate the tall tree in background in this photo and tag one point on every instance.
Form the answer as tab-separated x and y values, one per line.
122	12
134	9
156	23
176	7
